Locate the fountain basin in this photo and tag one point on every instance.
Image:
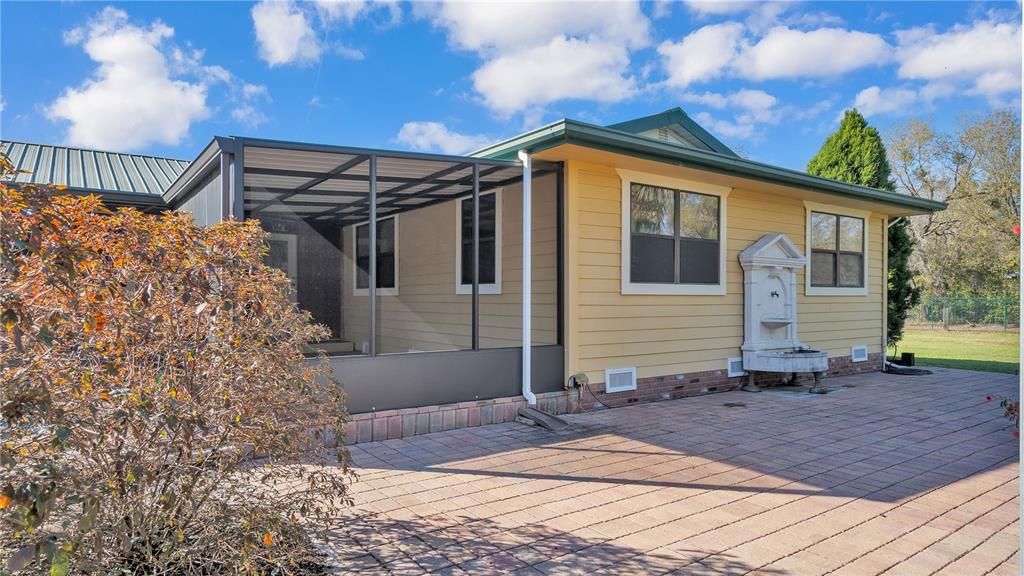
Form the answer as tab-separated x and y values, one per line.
785	360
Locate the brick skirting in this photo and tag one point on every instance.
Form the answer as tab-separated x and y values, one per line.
697	383
388	424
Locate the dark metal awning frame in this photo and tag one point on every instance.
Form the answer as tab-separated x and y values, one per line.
354	189
343	191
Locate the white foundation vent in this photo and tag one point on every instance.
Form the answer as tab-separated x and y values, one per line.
858	353
735	367
619	380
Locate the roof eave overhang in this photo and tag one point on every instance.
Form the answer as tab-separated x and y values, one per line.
596	137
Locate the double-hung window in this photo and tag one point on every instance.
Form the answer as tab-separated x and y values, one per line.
675	242
838	249
387	257
490	244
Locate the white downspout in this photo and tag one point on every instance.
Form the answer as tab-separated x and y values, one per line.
524	157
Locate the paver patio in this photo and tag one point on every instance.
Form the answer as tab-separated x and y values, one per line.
885	475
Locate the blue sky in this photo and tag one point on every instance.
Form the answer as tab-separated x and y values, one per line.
769	79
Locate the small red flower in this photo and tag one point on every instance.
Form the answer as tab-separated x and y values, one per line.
989	397
1016	229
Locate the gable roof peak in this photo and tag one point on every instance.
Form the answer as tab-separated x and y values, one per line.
674	125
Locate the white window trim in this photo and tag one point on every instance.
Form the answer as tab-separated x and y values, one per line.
492	287
841	211
355	262
291	240
722	192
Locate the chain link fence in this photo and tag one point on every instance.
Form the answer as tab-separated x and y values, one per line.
988	313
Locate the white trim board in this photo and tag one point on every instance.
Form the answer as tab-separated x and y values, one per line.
628	287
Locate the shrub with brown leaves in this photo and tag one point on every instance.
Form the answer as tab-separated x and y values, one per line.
158	412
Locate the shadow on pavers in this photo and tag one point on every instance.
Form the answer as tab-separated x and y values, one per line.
374	543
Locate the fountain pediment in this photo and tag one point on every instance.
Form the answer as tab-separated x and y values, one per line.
773	250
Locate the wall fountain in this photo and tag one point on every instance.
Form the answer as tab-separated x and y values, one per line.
770	342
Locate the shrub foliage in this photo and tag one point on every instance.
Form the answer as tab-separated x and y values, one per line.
158	414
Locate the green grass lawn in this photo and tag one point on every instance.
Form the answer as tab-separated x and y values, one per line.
985	351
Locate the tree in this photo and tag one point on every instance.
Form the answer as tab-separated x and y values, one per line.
970	249
855	154
158	412
903	295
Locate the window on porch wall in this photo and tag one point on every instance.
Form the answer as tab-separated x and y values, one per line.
424	313
501	314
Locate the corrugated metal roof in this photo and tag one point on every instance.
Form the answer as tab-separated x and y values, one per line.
92	170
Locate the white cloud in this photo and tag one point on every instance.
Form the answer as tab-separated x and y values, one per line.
585	69
751	109
504	26
982	58
249	115
349	10
289	32
661	9
787	53
746	99
131	100
730	49
538	53
725	128
985	55
246	110
716	7
436	137
875	100
702	55
284	33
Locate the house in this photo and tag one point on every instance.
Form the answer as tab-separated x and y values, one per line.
630	247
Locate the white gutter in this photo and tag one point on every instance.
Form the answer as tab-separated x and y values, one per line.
524	157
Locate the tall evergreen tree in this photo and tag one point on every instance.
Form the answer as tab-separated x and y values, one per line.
855	153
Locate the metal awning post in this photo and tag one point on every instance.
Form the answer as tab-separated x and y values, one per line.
524	157
476	255
372	284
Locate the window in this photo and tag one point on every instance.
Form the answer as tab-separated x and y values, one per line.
673	236
838	251
387	257
490	244
282	254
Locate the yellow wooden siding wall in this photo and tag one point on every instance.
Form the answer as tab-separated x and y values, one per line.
668	334
427	314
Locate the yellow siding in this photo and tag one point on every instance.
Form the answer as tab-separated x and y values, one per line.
427	314
673	334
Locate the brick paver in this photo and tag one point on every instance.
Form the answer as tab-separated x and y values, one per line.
886	475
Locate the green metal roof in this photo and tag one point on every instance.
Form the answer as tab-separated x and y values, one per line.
612	140
674	117
122	179
93	170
